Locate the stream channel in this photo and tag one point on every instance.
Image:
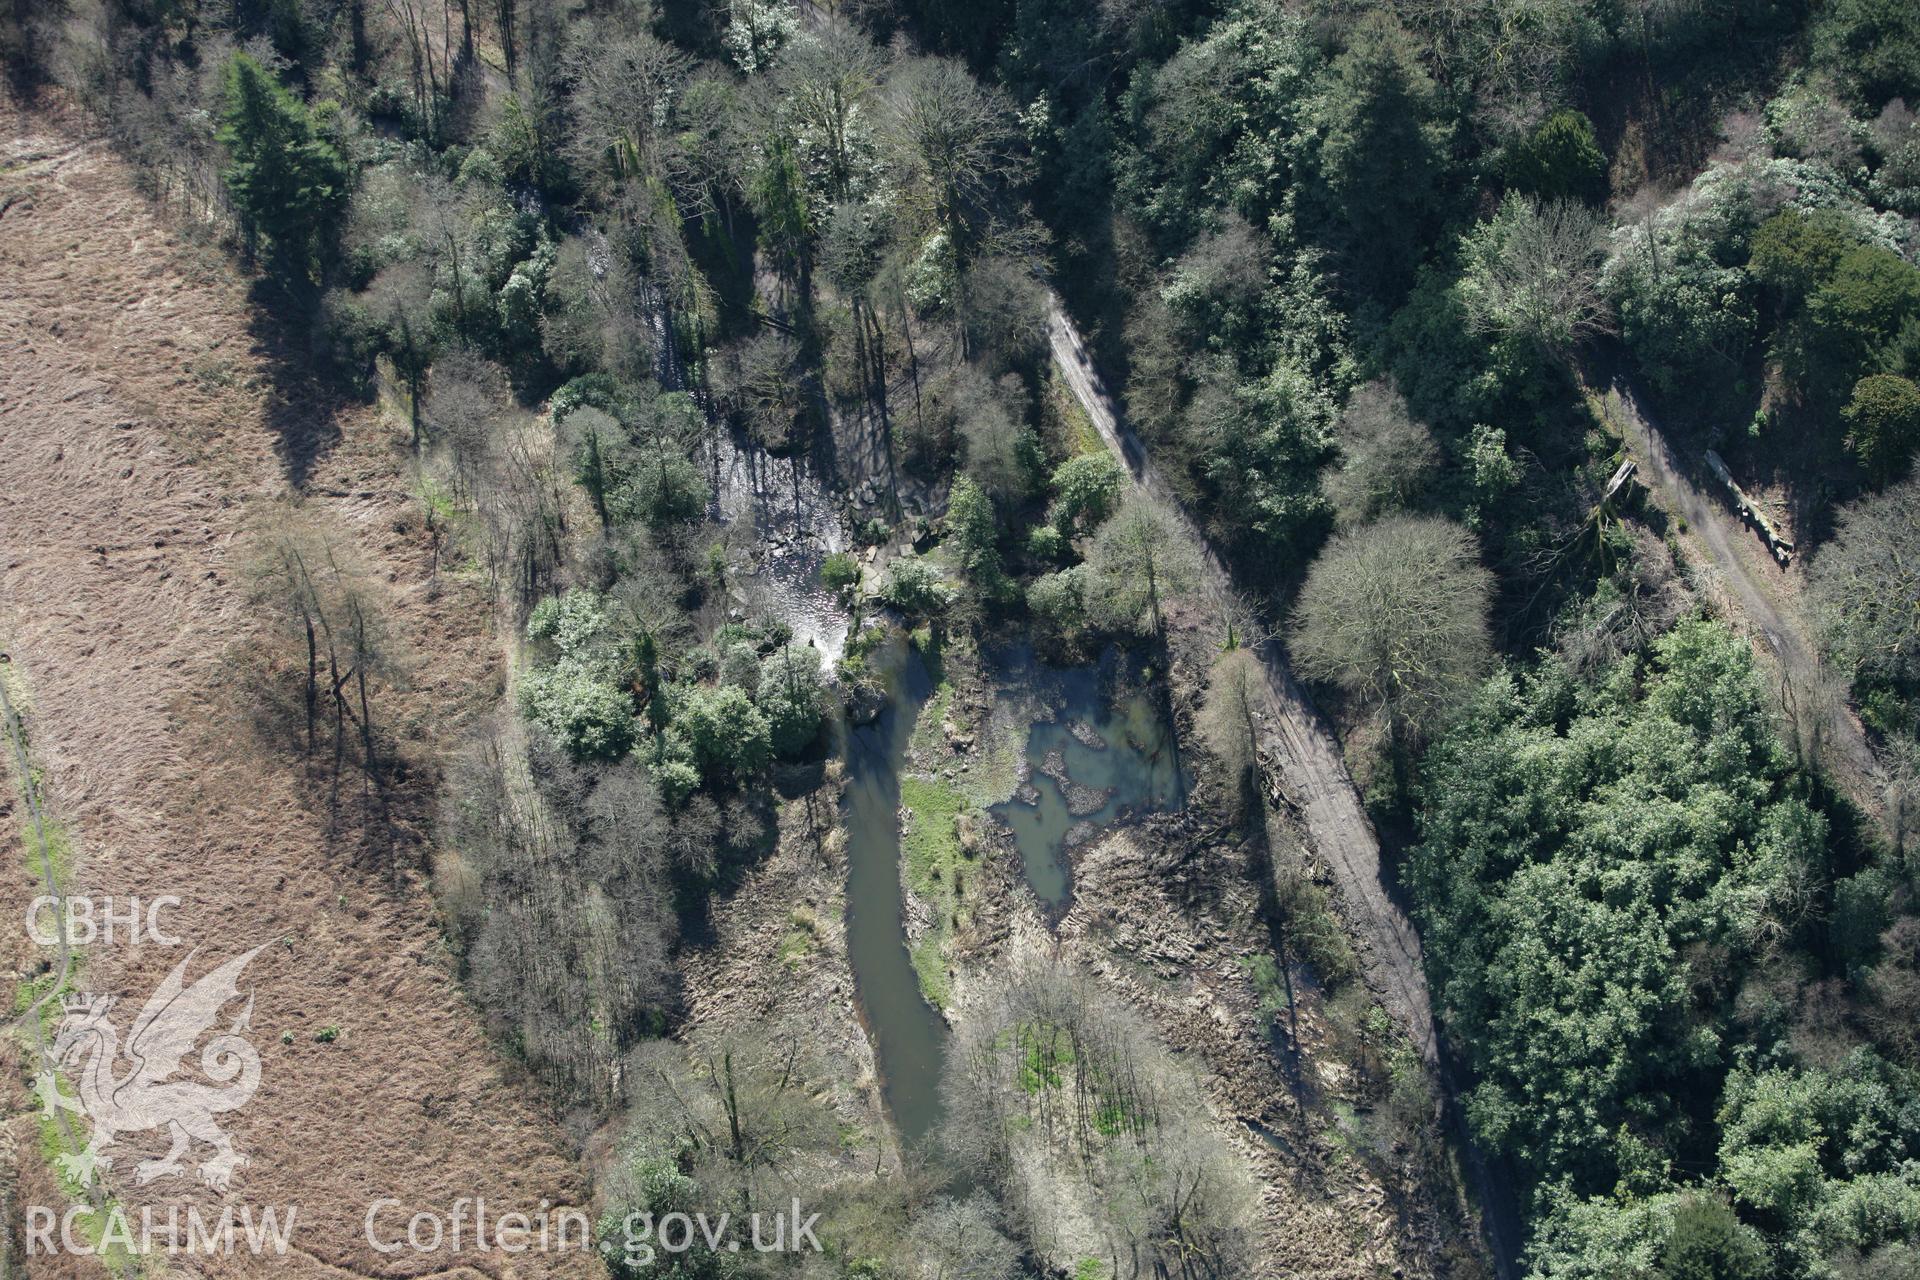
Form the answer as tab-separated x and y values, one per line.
1090	762
1093	758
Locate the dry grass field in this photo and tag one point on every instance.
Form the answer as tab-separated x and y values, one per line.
147	434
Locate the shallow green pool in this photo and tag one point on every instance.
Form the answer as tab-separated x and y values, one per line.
1104	757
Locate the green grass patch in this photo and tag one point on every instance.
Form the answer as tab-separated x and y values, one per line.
1081	436
48	844
929	957
937	870
1045	1053
438	501
932	840
1045	1058
1269	985
800	938
1314	930
1342	1144
927	733
932	647
90	1225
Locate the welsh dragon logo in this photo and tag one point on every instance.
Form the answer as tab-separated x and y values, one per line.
143	1094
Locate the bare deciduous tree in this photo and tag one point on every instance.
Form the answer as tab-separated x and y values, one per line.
742	1104
327	611
826	79
1144	555
1058	1094
559	900
1396	615
1002	310
962	1240
500	471
1386	457
1533	273
593	319
761	380
953	140
464	414
431	83
1866	580
992	430
622	96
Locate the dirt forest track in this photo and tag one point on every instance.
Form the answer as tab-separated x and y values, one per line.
143	438
1302	749
1300	755
1748	573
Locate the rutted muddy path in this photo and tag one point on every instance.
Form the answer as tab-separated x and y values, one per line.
141	436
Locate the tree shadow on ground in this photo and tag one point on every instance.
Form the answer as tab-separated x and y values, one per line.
305	390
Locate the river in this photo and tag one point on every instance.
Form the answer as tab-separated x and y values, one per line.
909	1038
1096	757
787	519
1097	753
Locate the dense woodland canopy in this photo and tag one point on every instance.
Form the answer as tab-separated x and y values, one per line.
1359	269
